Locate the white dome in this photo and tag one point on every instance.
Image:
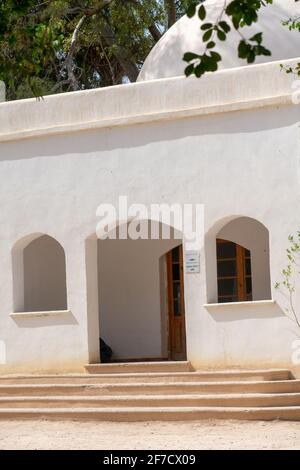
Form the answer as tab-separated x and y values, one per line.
165	59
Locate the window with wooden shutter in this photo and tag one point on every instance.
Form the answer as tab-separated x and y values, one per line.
234	272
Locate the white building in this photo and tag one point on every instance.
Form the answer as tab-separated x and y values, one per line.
228	142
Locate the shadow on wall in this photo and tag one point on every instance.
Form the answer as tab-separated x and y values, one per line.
236	313
64	318
123	138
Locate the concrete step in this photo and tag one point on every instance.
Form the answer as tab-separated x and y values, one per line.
198	376
133	367
159	414
153	401
123	394
159	388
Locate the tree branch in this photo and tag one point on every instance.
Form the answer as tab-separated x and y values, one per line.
153	29
60	84
90	11
170	7
121	54
155	33
69	63
108	63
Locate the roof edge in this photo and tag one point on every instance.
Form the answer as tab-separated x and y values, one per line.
143	102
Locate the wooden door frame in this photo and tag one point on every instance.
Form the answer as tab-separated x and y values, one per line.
170	303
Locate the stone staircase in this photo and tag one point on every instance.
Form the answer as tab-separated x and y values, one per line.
152	391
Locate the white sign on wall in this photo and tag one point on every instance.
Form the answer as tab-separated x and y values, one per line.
192	262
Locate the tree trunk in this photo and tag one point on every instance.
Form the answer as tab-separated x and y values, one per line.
170	7
155	33
122	55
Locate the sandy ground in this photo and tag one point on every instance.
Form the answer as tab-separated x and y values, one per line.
72	435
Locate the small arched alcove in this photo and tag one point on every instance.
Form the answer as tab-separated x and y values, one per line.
39	274
238	261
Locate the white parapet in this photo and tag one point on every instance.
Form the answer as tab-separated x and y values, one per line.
242	88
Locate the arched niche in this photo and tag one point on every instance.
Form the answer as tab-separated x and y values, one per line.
39	274
248	249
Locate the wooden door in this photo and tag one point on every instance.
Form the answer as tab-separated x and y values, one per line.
234	272
177	334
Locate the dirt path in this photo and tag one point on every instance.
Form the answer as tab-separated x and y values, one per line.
120	436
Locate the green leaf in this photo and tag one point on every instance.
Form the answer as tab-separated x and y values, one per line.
188	56
221	35
251	57
199	70
213	66
243	50
257	38
216	56
191	11
189	70
206	26
211	45
202	13
225	26
207	35
236	22
264	51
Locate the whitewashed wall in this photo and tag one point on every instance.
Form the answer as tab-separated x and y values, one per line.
238	164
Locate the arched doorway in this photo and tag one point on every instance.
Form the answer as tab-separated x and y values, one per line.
141	298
